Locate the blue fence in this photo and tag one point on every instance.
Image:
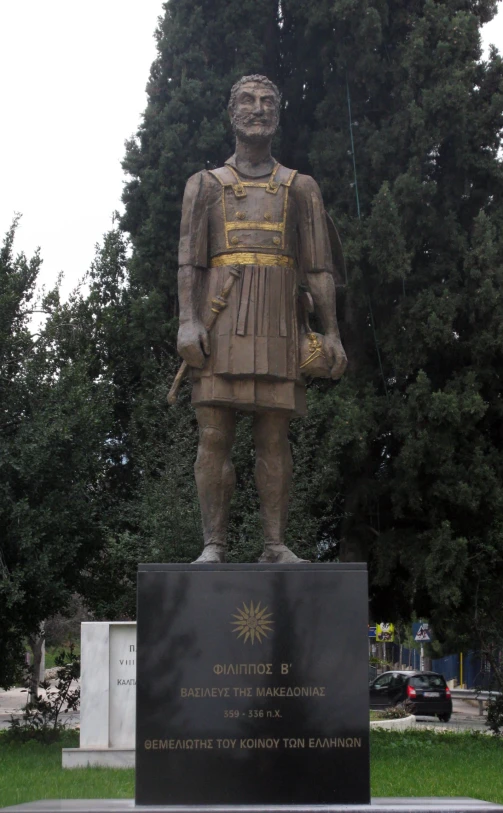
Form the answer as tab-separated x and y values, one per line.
449	668
476	673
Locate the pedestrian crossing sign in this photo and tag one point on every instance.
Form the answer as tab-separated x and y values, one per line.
423	633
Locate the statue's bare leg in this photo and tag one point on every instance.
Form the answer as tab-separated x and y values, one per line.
215	478
273	475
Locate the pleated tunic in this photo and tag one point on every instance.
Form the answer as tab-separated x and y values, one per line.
274	228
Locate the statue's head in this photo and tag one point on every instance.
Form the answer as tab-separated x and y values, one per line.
254	108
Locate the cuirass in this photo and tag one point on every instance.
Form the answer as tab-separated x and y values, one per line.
253	217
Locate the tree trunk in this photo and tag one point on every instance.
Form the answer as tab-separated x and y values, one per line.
37	646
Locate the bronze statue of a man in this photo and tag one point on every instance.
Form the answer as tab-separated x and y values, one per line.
252	232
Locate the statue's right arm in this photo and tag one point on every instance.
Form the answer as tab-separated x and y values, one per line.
193	340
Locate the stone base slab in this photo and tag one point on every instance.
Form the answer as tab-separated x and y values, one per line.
427	804
97	757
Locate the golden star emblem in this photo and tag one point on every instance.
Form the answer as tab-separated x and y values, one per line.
252	622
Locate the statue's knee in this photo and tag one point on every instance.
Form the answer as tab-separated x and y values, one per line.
214	441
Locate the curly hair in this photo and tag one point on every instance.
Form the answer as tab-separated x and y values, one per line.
255	77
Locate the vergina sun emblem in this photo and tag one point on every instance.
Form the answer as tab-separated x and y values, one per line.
252	622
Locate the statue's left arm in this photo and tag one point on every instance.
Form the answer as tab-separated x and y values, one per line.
315	257
322	289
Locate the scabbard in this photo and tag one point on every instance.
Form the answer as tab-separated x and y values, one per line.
218	304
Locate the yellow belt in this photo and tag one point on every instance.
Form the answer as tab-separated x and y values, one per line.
247	258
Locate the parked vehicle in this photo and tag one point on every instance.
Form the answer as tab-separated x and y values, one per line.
424	692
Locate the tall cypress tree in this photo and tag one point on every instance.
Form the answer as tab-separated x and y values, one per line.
425	287
390	106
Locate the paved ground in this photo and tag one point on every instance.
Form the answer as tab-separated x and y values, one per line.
12	702
464	717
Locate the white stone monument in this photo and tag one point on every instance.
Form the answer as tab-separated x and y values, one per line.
108	696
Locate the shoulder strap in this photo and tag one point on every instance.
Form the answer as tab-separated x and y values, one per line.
284	175
223	175
227	176
280	176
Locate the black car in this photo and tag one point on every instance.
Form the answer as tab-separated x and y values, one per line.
425	692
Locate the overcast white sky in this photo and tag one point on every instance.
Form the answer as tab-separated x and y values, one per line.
72	90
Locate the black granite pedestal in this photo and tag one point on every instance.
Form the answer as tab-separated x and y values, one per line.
252	685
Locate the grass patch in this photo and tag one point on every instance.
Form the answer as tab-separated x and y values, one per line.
424	763
409	763
31	771
53	651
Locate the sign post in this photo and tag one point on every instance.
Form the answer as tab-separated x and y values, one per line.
385	633
422	634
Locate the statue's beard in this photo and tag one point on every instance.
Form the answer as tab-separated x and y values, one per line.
246	129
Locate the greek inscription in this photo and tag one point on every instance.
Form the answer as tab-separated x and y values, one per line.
175	745
253	713
226	744
290	691
243	669
245	692
285	668
335	742
294	742
126	682
249	743
252	743
201	692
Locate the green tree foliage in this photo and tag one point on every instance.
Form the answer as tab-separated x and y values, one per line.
53	426
425	270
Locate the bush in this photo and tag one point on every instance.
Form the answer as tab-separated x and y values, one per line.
41	717
494	720
397	712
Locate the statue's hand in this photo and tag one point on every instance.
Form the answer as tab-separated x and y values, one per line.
335	354
193	343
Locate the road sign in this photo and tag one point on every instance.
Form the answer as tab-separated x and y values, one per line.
422	632
385	632
372	632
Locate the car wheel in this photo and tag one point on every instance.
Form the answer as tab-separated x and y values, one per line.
444	718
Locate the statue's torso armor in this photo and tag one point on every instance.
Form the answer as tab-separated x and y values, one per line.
253	216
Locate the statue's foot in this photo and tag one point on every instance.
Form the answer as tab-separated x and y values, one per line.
280	555
212	555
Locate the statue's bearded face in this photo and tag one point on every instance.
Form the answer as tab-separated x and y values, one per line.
255	113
